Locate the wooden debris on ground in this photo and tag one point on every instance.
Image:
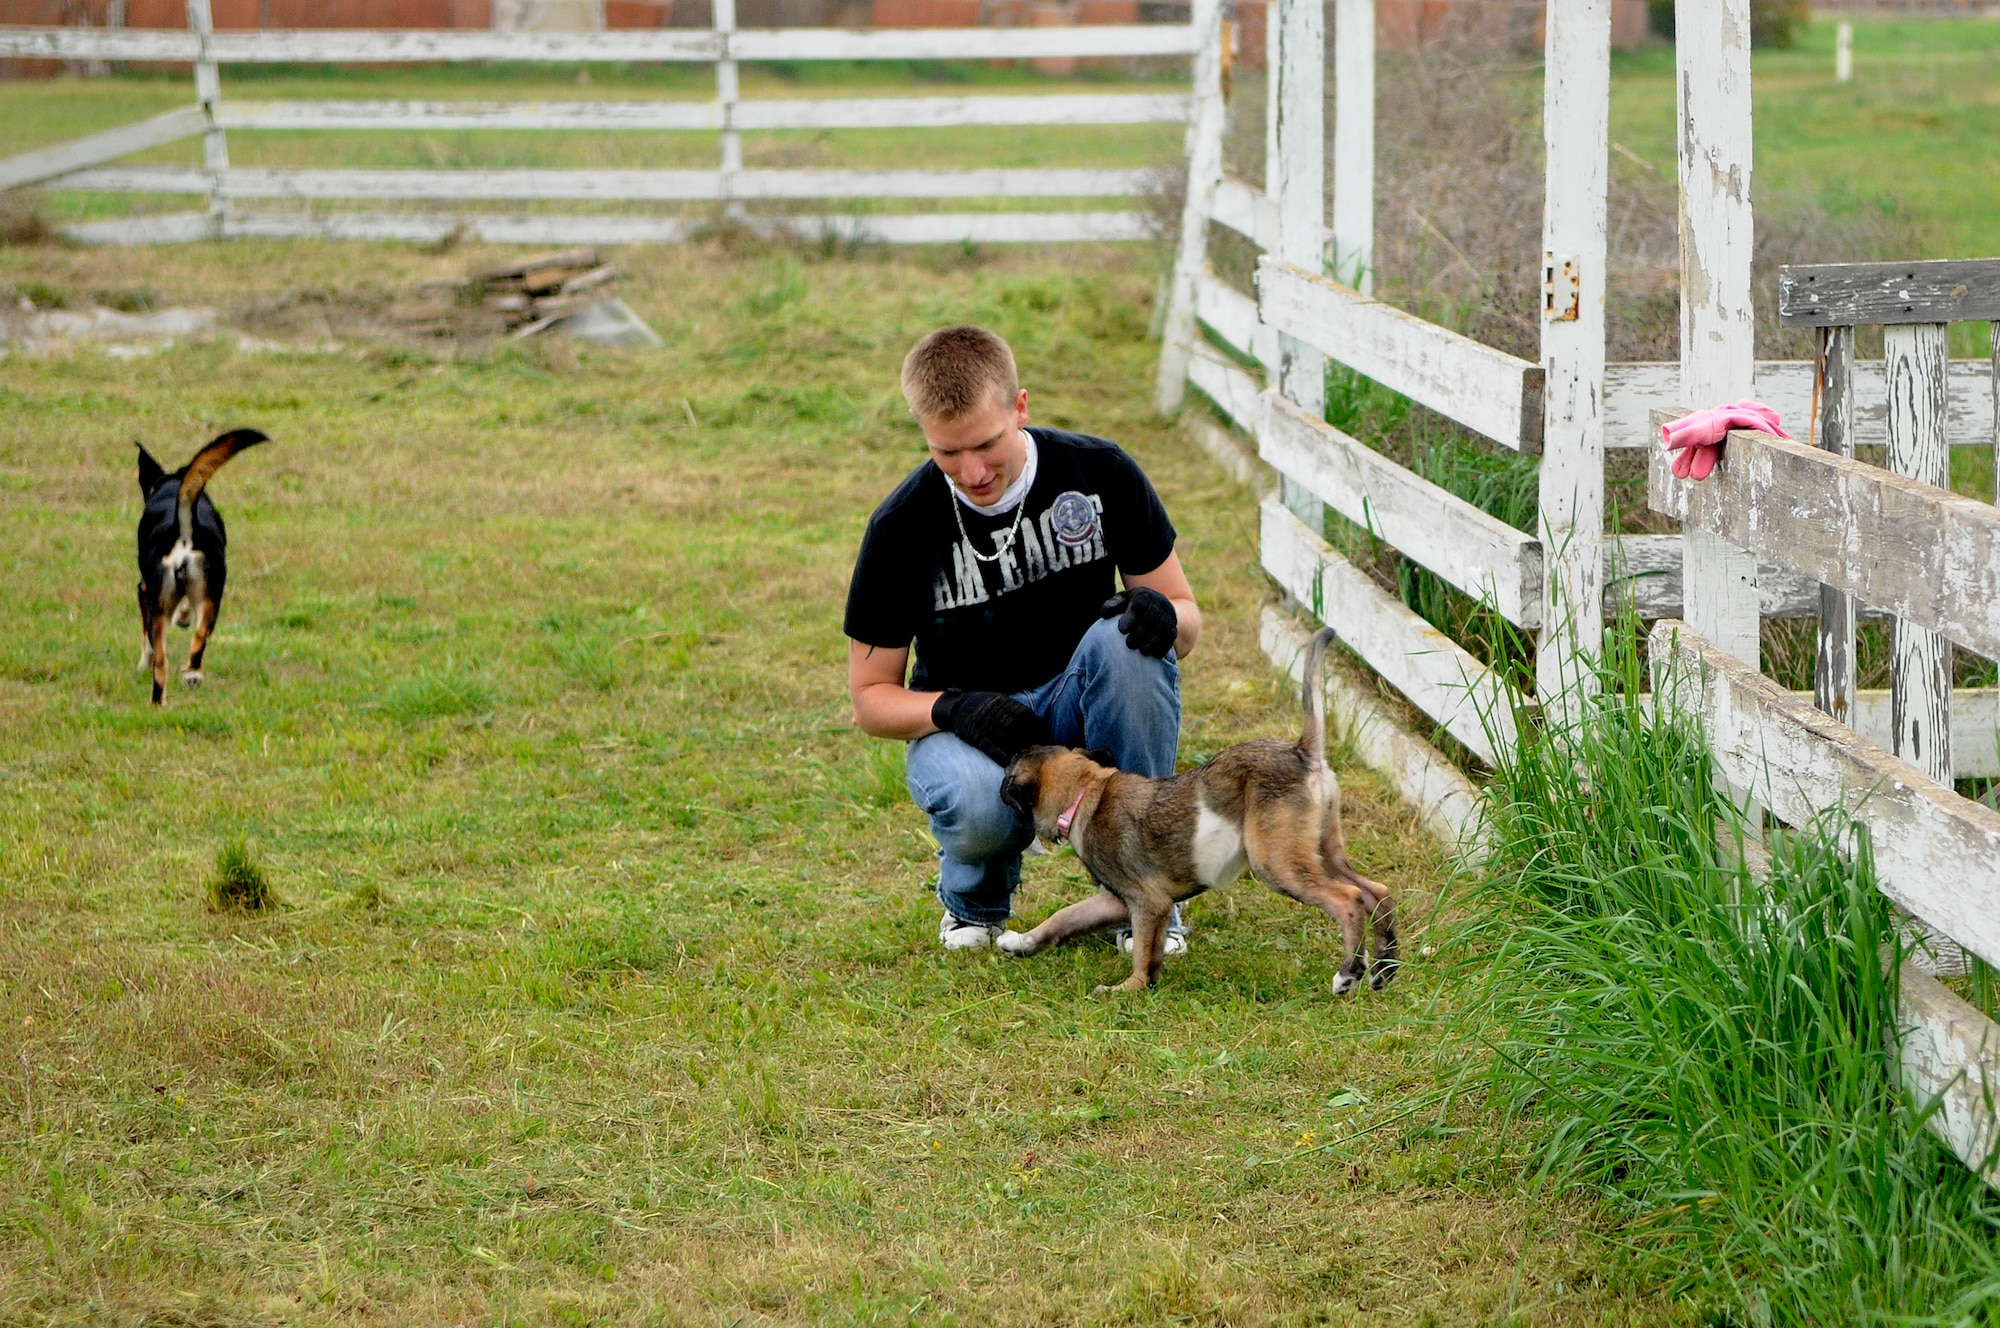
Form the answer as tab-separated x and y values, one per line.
502	300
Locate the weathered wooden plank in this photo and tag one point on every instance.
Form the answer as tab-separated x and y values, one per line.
1445	802
1936	854
1576	134
1421	662
1633	390
1354	143
1092	41
1486	390
1898	545
804	113
1975	727
1480	554
665	186
1718	321
1228	386
920	228
1251	213
1948	1053
1234	315
1297	185
345	46
62	158
1648	569
1204	173
98	44
208	91
1946	290
1833	658
469	115
1920	668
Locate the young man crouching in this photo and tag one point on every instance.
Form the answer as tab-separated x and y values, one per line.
1000	559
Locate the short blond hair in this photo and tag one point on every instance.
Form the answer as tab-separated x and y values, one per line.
958	369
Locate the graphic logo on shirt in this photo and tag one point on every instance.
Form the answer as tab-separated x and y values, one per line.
1073	518
1068	533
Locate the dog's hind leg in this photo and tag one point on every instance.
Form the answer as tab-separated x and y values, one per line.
157	645
1285	854
1102	909
1376	897
147	612
204	623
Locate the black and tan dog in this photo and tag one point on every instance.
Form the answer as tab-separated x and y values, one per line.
1268	805
183	558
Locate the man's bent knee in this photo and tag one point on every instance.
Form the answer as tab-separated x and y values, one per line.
958	788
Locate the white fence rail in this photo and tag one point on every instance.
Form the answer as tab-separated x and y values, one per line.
81	164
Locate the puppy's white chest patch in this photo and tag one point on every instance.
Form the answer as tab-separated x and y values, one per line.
1218	848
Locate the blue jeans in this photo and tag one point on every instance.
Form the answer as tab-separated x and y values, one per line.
1109	696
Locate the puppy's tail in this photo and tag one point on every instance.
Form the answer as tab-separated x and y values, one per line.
200	470
1312	694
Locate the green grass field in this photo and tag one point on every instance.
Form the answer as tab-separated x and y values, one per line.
605	988
1916	134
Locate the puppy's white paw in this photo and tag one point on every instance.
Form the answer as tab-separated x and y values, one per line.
1344	982
191	677
1017	943
145	657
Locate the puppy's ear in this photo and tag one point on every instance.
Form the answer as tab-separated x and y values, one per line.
1021	788
1102	757
150	471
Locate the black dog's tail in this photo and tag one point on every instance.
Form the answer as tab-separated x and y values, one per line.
1312	696
199	471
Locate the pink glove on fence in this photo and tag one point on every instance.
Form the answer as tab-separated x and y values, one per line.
1696	440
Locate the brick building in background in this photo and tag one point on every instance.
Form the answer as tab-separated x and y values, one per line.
1401	25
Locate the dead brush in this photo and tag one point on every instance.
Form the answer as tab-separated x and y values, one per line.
239	884
22	221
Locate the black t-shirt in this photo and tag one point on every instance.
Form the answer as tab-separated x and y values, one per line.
1010	624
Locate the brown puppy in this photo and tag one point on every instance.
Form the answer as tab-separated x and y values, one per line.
1270	805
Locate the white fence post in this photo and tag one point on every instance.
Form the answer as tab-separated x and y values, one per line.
1576	120
1718	329
1301	200
726	96
1914	356
1204	172
208	91
1354	143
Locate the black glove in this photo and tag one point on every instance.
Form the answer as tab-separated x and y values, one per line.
1147	618
998	725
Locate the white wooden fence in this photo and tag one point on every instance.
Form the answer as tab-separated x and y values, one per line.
1781	530
83	164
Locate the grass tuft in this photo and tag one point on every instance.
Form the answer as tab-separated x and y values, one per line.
431	696
1700	1040
239	884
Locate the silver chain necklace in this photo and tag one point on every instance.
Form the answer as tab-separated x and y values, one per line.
1002	540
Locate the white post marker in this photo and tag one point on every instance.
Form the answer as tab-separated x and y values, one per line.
1576	132
208	91
1843	53
1301	199
1204	158
1718	331
1354	143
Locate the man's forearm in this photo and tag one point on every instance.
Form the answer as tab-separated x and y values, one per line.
889	710
1187	627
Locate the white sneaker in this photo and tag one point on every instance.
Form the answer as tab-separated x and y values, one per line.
1174	944
958	934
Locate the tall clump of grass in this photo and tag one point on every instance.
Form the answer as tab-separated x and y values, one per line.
239	884
1705	1044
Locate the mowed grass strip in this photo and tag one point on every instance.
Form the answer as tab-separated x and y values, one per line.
603	985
